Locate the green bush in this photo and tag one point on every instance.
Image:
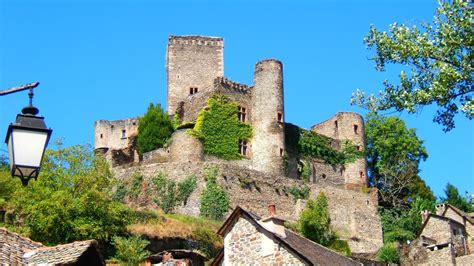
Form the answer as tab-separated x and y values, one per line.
130	250
136	185
219	128
389	253
154	129
169	193
214	200
299	192
314	221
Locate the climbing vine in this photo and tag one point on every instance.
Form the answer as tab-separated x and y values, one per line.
310	144
219	128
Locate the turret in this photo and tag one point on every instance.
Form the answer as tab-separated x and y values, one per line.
268	142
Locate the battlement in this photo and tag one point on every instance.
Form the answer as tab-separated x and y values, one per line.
195	40
231	85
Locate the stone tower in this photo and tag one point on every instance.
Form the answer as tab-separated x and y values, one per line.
192	64
348	126
268	142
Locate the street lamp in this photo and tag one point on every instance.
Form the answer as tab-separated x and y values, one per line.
27	139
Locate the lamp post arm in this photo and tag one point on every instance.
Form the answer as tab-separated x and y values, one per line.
19	88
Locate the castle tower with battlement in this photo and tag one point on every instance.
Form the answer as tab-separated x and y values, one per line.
192	64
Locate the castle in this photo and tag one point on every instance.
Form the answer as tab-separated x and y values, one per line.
195	71
268	168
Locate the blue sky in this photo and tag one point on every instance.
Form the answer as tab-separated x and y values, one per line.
105	60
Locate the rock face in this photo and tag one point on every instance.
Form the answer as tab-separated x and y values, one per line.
195	72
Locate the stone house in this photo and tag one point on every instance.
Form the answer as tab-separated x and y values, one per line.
249	239
18	250
444	238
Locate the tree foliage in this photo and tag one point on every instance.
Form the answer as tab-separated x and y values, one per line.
219	128
393	156
454	198
154	129
440	58
71	200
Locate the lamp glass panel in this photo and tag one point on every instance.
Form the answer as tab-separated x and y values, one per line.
28	147
10	151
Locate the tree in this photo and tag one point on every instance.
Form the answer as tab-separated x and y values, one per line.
131	250
71	200
441	60
453	198
393	156
154	129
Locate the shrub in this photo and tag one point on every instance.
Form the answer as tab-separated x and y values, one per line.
130	250
219	128
389	253
214	200
169	193
186	188
154	129
314	221
299	192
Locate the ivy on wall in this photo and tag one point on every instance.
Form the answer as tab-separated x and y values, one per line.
219	128
310	144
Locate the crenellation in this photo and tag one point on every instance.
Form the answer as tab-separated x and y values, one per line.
231	85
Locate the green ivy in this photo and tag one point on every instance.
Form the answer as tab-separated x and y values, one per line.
219	128
307	143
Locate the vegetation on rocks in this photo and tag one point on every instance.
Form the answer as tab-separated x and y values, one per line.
219	128
215	201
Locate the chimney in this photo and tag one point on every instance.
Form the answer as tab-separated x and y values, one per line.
271	210
424	216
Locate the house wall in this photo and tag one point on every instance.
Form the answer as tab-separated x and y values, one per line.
244	244
437	229
443	256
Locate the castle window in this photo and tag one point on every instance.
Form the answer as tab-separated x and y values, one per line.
361	174
134	123
358	147
101	135
335	124
124	134
242	114
280	117
193	90
324	176
356	127
282	153
243	147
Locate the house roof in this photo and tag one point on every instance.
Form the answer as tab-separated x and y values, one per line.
60	254
309	251
19	250
461	213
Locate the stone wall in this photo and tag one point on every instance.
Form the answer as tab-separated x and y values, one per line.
465	260
353	214
347	126
268	142
437	229
443	256
245	245
192	61
115	134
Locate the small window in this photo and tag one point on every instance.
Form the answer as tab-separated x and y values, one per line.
282	153
112	126
361	174
243	147
280	117
335	124
242	114
193	90
124	134
324	176
101	136
358	147
356	129
134	123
